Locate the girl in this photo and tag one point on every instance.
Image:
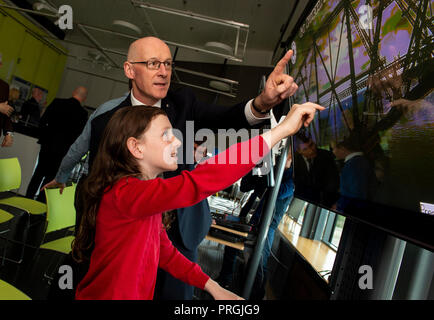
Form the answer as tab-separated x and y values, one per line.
124	200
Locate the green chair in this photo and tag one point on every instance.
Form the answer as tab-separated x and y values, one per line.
14	226
10	179
9	292
60	216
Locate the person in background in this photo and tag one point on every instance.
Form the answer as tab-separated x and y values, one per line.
317	177
357	180
284	198
5	112
30	111
80	147
60	125
14	95
149	67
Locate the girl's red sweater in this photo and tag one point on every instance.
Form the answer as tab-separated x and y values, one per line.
130	241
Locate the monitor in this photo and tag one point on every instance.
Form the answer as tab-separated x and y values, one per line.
370	154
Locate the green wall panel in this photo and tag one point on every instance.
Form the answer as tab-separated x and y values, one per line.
29	58
27	55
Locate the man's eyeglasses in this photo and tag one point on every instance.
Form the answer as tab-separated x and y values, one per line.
155	64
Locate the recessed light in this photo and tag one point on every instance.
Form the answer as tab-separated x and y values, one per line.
219	45
40	6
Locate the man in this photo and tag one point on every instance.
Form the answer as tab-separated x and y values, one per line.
60	125
5	113
30	111
284	197
316	174
149	67
251	182
200	151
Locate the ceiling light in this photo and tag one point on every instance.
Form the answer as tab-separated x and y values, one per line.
219	85
128	25
220	46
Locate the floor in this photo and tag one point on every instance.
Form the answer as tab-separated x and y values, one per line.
210	258
29	276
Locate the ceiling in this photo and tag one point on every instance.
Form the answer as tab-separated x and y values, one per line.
257	26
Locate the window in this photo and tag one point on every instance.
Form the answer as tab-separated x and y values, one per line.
315	233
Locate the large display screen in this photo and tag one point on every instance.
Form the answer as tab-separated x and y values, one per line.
370	154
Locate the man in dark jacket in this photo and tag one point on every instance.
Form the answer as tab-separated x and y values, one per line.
5	112
149	67
60	125
316	173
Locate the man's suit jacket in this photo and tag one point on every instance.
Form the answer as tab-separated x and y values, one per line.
5	121
61	124
181	106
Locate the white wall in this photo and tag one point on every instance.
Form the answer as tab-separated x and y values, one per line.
102	84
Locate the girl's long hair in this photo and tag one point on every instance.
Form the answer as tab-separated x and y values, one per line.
112	162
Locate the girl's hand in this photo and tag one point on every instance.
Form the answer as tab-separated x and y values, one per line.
219	293
299	115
